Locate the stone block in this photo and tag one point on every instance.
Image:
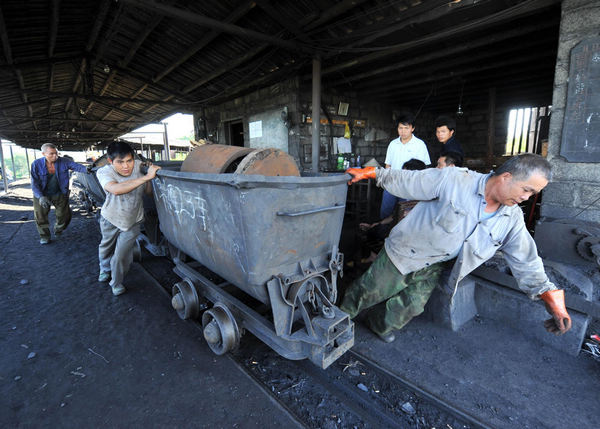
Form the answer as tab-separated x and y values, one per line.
516	310
561	193
510	308
455	313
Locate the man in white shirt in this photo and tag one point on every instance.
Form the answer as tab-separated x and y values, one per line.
401	150
122	212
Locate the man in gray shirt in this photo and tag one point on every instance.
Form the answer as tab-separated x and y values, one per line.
463	218
122	212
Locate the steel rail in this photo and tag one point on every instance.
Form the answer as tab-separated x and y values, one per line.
424	394
196	323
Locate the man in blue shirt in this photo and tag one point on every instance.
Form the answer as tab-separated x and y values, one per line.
50	185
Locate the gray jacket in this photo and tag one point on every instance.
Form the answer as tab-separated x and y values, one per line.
447	223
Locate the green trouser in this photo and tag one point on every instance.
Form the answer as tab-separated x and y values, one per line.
393	299
61	210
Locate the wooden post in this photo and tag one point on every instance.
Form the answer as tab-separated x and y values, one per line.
491	126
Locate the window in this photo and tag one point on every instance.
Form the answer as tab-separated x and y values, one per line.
527	129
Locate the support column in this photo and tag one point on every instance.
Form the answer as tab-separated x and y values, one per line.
491	125
166	138
4	178
27	159
316	112
12	160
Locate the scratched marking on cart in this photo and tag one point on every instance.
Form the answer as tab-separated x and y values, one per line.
184	204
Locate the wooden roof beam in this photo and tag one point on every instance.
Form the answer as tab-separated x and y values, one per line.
459	48
238	13
23	120
519	10
205	21
102	11
462	72
289	25
54	16
9	59
55	131
150	26
508	50
55	94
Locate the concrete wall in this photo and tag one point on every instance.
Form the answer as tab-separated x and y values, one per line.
368	141
575	185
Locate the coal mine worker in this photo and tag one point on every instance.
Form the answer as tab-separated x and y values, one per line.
462	219
122	213
50	185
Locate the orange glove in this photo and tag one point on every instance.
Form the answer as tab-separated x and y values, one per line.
555	305
360	174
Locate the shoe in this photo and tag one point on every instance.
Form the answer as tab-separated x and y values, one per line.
104	276
118	289
388	338
44	240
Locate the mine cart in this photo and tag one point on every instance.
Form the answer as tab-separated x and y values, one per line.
274	241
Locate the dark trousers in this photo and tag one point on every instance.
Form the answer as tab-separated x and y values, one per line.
61	210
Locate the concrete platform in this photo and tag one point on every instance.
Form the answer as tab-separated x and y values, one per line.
73	355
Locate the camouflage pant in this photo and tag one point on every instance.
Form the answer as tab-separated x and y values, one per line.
393	299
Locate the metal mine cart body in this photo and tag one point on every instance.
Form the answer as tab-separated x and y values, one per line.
275	239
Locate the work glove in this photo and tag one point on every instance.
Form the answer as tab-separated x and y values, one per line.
555	305
360	174
45	203
90	168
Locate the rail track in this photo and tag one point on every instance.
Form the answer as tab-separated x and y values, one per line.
354	392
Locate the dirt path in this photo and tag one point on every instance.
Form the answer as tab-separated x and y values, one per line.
75	356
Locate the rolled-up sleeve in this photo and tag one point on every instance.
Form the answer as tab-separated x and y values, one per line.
520	252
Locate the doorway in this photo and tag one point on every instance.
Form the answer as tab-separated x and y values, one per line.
236	133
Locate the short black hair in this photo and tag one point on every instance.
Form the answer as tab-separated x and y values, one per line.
440	121
405	118
119	149
454	158
414	164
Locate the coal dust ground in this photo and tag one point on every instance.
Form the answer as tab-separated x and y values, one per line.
75	356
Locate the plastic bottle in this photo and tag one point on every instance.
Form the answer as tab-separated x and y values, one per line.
358	161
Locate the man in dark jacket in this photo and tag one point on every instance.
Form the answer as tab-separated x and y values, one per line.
50	185
445	127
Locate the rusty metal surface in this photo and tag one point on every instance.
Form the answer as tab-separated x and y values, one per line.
268	162
214	158
236	225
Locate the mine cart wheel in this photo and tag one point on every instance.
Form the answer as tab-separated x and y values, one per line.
185	299
220	329
137	251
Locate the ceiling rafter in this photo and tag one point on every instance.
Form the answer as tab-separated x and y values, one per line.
237	14
54	17
513	12
449	52
199	19
102	11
